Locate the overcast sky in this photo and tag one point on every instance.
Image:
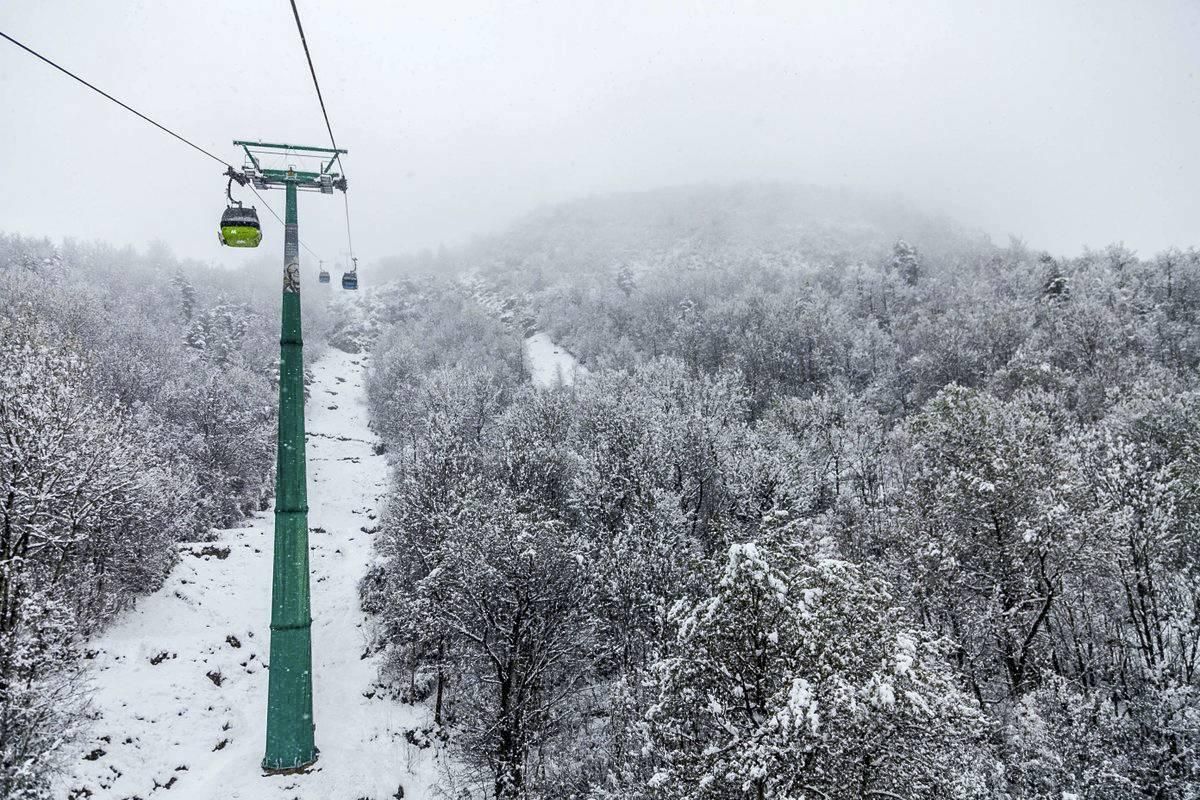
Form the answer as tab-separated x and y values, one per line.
1067	123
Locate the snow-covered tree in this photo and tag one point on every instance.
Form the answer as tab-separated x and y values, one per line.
626	281
905	262
797	676
85	525
503	594
992	535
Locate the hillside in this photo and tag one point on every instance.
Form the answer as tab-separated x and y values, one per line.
790	221
180	681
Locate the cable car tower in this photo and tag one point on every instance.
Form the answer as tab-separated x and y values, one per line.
290	744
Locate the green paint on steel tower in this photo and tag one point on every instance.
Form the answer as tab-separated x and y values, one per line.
290	723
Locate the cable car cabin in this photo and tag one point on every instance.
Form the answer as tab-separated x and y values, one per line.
349	280
240	228
323	277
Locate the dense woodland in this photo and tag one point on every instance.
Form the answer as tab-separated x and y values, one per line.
851	503
836	514
137	409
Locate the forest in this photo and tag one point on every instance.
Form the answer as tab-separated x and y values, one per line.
552	400
845	501
137	411
834	514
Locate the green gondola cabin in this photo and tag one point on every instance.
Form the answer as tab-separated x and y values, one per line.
240	228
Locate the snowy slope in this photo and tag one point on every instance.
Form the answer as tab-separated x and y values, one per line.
165	728
548	363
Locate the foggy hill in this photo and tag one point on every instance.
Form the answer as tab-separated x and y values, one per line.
795	222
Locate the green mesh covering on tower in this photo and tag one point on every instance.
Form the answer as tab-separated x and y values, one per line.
289	695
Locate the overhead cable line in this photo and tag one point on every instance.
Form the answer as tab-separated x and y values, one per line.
349	241
100	91
275	214
332	140
313	71
139	114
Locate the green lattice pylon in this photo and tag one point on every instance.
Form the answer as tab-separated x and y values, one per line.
290	724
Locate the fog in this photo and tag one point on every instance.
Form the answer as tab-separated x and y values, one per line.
1067	124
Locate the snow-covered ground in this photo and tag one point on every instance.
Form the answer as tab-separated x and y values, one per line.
180	683
548	363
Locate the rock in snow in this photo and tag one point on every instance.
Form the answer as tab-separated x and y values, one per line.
549	364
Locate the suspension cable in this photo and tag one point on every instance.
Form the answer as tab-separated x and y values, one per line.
161	127
313	71
281	222
100	91
332	140
349	240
